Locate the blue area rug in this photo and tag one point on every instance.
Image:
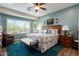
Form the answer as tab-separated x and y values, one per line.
21	49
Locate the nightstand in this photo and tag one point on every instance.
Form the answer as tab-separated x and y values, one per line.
65	40
7	39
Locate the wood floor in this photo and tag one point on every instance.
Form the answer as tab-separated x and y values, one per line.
3	52
69	52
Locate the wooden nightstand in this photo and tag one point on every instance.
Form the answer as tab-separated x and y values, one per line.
66	40
7	39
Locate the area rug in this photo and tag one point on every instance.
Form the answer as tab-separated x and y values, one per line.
21	49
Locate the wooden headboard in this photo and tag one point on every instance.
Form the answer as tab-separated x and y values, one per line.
53	27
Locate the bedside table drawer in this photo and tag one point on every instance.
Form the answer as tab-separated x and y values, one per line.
65	40
68	45
61	39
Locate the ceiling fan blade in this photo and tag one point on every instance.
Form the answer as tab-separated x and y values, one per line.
29	8
40	4
43	8
35	4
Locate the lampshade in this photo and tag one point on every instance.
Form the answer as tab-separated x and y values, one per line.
65	28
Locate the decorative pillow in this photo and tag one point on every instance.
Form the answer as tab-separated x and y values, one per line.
52	31
45	31
35	31
48	31
40	31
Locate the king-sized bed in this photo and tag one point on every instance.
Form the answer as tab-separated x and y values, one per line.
43	40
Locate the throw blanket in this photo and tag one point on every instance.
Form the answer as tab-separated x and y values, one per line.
45	41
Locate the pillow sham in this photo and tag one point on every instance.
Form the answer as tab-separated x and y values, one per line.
52	31
40	31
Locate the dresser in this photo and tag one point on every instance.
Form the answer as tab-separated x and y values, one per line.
7	39
66	41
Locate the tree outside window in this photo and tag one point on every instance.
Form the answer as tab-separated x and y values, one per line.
17	26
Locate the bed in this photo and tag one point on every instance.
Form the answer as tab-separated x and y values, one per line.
45	40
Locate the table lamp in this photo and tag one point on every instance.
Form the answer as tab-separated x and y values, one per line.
65	29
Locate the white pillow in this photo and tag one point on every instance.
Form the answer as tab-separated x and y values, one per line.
49	31
35	31
52	31
44	31
40	31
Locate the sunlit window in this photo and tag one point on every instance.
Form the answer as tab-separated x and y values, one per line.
27	27
10	26
17	26
0	26
36	26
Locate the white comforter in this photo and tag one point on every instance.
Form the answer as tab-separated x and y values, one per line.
46	41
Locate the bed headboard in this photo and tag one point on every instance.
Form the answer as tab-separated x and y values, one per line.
53	27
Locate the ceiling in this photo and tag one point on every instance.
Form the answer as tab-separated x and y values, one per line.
51	7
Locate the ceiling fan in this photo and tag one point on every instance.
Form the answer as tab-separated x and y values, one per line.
37	7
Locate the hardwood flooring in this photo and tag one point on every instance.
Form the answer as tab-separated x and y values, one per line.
64	52
69	52
3	52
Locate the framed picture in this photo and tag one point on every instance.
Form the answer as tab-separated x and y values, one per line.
57	20
50	21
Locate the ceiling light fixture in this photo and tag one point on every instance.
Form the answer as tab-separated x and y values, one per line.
37	8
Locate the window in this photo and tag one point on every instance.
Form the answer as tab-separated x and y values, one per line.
0	20
0	25
10	26
17	26
36	26
27	27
